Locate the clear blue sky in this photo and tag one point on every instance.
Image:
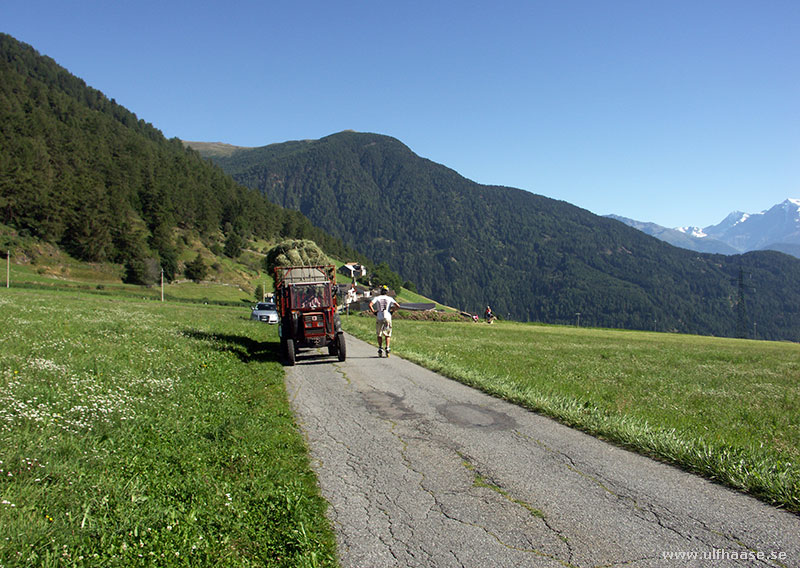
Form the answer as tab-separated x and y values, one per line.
676	112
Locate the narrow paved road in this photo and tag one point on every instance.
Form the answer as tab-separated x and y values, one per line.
421	471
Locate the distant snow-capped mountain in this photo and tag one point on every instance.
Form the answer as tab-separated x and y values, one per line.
777	228
692	231
779	225
683	237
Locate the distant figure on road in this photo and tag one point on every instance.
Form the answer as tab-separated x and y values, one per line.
383	307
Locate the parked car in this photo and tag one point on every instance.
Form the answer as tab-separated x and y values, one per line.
265	311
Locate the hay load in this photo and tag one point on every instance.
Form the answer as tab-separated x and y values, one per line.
295	253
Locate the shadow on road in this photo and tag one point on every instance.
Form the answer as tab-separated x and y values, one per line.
314	357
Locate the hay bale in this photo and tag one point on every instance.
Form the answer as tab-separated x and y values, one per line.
295	253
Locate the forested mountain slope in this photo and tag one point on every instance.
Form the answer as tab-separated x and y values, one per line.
530	257
83	172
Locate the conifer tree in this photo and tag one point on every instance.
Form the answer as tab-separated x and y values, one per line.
197	269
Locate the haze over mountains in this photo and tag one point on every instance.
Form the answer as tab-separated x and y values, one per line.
777	228
82	172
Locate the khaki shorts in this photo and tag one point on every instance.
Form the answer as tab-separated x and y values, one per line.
383	328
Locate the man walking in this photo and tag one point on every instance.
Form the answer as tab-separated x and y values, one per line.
383	307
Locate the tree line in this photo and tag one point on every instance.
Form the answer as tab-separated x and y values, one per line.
81	171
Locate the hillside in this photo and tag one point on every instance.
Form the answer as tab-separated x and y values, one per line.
530	257
81	172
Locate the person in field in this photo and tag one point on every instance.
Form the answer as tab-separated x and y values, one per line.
383	307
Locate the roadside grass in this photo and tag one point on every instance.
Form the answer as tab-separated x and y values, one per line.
146	434
723	408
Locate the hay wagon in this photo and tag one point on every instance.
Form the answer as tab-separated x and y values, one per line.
306	298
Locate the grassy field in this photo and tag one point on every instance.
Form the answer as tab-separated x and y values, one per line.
139	433
724	408
80	278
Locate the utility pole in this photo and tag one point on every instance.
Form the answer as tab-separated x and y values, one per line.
162	283
741	314
8	269
741	311
578	314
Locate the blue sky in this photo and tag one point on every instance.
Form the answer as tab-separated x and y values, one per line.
673	112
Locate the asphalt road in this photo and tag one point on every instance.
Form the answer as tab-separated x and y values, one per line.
420	470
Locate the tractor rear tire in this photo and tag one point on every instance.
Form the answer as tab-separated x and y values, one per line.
291	356
342	350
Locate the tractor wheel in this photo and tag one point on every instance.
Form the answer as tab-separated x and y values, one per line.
342	346
291	356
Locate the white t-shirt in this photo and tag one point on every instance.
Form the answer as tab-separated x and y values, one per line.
383	305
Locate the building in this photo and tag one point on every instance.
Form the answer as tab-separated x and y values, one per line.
353	270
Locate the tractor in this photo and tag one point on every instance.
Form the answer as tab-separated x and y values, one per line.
306	298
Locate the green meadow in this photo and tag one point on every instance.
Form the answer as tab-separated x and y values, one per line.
136	432
141	433
724	408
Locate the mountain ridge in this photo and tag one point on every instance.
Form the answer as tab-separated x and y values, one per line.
531	257
678	237
776	228
222	149
83	172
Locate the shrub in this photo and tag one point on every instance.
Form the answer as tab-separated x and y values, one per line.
197	269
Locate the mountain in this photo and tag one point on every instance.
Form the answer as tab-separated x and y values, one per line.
690	238
779	225
775	229
530	257
82	172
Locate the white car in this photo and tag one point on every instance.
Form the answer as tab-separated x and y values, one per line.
265	311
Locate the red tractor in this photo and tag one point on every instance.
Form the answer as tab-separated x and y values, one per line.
306	298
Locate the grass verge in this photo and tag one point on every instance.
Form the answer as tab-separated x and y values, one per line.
146	434
723	408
